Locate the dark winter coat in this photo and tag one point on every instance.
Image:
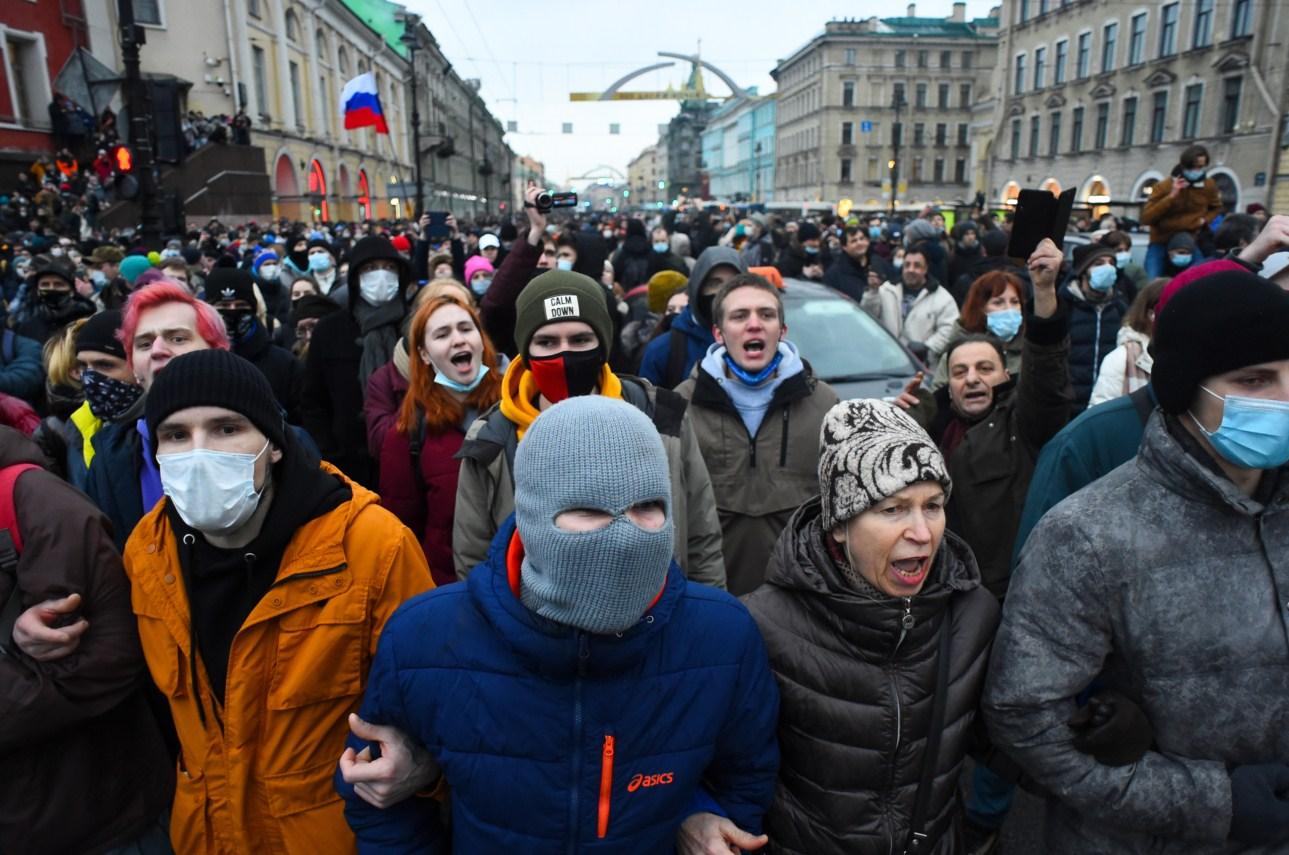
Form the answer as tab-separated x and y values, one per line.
631	262
23	374
1168	584
1094	332
793	260
848	276
758	481
42	324
284	372
85	766
545	734
857	678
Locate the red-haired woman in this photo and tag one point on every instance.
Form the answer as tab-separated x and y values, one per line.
453	378
995	305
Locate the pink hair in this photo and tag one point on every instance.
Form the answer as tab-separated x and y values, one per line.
210	326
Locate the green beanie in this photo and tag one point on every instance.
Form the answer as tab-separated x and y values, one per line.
562	295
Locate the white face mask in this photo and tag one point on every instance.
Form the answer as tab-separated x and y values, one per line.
213	491
378	287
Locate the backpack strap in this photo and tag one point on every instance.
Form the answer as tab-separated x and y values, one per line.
676	355
1143	402
10	550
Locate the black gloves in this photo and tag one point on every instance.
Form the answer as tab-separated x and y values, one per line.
1260	804
1112	729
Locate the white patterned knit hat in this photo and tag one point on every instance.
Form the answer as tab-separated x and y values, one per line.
870	450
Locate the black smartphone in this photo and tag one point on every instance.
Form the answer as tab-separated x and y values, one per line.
1039	215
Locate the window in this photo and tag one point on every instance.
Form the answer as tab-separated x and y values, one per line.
1084	52
1054	138
1024	11
1018	85
962	133
917	169
1033	136
960	170
1241	18
847	133
1109	41
964	95
966	59
292	26
342	60
1168	29
937	171
147	12
1203	35
871	171
941	133
850	56
1137	39
1190	110
848	93
1129	131
294	71
946	59
253	8
326	113
1076	131
1103	126
27	69
899	94
1040	67
258	72
919	96
900	59
1231	103
922	59
1158	113
845	170
942	96
919	134
1058	68
1015	138
1043	6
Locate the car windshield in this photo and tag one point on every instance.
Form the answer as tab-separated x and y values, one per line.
841	341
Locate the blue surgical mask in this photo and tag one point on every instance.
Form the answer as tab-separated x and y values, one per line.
480	286
661	246
1182	260
874	232
1121	259
444	380
563	264
320	262
1254	433
811	250
1102	277
897	263
1194	176
1004	324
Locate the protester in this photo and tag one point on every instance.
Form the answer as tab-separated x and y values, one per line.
878	632
1132	276
478	275
1096	314
849	271
561	331
110	391
1187	627
52	301
757	408
232	292
1127	368
993	306
453	378
1182	203
803	257
580	607
914	308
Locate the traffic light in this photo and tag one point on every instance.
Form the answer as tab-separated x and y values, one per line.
124	159
626	194
127	186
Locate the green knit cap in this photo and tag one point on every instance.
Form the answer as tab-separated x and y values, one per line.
562	295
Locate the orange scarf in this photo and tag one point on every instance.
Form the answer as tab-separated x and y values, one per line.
519	393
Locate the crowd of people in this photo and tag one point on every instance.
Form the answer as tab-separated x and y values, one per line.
545	536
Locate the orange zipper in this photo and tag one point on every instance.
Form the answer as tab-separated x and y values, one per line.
606	785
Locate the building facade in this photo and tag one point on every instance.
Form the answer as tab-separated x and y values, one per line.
36	39
1103	96
837	122
684	143
647	176
738	149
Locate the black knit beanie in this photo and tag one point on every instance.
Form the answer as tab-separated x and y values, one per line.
216	378
228	283
99	333
1216	324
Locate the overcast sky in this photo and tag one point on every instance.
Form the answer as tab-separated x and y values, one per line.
531	55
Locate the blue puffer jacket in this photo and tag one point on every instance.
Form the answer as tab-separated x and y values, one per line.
656	360
553	740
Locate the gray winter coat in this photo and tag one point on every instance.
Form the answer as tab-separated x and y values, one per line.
1170	585
857	680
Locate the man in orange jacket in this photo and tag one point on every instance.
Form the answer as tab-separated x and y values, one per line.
261	585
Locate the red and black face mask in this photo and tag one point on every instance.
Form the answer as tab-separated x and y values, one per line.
567	374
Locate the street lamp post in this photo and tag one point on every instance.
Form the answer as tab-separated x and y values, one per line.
897	132
410	23
137	102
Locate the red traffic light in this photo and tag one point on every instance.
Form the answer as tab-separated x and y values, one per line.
124	159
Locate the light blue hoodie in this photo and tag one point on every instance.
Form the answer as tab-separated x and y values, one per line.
752	401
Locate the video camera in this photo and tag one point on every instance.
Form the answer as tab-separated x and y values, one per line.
546	200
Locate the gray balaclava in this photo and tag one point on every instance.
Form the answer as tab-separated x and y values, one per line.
604	454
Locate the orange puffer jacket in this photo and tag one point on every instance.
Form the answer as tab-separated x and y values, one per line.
256	776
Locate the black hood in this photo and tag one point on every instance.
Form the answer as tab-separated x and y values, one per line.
591	252
374	248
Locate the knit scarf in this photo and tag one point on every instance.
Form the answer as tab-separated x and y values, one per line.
519	393
380	326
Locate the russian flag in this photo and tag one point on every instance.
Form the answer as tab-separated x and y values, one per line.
360	103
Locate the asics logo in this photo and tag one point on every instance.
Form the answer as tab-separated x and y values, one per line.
660	780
